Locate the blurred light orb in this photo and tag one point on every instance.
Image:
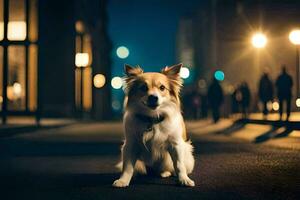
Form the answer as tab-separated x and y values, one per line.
202	84
295	37
1	99
275	106
116	82
122	52
116	105
259	40
99	80
184	72
81	59
219	75
298	102
17	89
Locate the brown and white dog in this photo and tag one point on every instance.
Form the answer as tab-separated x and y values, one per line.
155	134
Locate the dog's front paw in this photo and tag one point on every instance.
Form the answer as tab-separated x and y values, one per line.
186	181
120	183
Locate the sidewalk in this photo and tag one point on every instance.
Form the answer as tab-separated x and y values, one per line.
16	125
256	130
295	117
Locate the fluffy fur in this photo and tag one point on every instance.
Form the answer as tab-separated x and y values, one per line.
160	144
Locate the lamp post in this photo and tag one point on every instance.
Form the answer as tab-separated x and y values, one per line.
295	39
81	61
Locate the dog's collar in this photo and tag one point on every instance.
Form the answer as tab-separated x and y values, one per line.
150	120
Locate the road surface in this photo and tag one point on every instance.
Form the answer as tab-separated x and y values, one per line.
77	162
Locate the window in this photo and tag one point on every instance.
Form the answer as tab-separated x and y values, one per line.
83	75
16	86
1	21
20	43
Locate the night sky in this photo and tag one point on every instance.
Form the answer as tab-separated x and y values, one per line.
148	28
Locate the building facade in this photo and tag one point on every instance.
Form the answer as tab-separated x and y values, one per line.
50	54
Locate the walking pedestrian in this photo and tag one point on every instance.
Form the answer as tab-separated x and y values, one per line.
215	98
265	92
246	97
284	84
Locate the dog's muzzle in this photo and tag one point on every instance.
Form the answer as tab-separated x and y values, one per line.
152	101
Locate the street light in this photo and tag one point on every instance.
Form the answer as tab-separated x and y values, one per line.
295	39
259	40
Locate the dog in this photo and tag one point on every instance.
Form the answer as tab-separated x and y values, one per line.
155	133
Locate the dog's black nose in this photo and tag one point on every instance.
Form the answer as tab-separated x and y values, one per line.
152	100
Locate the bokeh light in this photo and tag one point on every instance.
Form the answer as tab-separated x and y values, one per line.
259	40
295	37
99	80
81	59
116	82
122	52
202	84
275	106
298	102
219	75
17	89
184	72
116	105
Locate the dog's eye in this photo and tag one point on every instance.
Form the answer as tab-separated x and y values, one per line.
144	88
162	88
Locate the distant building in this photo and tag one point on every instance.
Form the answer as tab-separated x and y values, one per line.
222	39
184	42
50	54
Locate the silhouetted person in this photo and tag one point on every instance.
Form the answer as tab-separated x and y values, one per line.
284	84
234	101
246	97
265	92
215	98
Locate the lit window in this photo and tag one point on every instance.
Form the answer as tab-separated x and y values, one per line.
82	59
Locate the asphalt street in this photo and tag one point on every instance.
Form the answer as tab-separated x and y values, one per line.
77	162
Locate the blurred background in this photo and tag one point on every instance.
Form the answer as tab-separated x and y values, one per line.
64	59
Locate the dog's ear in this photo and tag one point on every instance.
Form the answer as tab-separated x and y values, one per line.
172	73
172	70
132	71
131	75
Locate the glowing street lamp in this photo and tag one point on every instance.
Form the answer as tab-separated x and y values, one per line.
259	40
295	39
